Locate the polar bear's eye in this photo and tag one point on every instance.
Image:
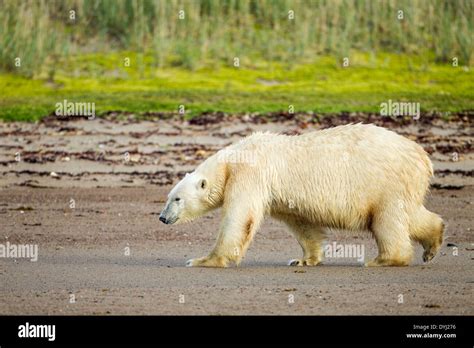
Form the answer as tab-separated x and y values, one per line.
177	199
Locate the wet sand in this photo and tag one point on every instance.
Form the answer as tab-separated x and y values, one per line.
92	209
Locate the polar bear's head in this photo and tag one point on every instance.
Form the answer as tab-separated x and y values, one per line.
186	200
196	194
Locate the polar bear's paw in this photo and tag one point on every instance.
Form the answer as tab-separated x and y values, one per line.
380	262
304	262
207	262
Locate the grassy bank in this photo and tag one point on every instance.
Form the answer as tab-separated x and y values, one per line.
188	32
321	85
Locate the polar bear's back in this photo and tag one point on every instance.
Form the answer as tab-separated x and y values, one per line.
366	143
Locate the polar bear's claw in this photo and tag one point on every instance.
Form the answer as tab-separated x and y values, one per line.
305	262
295	262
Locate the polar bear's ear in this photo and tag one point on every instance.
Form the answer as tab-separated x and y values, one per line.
202	184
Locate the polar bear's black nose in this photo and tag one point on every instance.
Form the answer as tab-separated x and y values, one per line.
163	220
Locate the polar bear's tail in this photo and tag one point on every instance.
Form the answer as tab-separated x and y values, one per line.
425	159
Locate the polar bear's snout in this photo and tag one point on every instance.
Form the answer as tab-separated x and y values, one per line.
163	219
172	211
169	215
167	218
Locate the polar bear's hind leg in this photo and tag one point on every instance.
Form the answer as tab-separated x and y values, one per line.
390	229
427	229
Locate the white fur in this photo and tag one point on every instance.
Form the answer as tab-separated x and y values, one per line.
351	177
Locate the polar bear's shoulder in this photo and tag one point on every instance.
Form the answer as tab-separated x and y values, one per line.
258	138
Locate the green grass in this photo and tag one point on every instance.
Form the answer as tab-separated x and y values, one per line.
321	85
189	61
43	32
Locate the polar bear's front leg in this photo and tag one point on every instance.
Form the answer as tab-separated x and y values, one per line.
310	238
239	224
232	243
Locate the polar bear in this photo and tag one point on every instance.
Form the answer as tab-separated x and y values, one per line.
353	177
